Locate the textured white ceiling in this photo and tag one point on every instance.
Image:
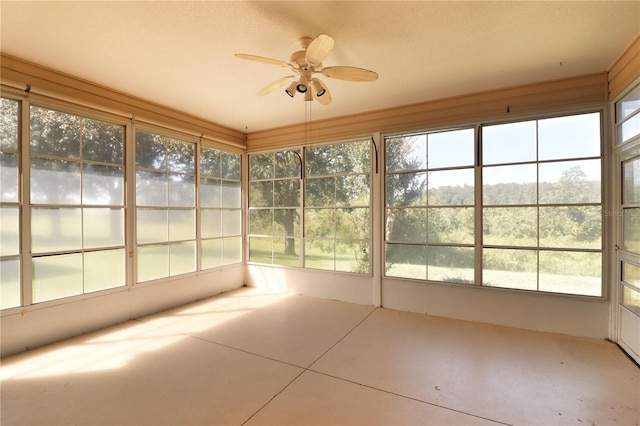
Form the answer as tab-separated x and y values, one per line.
180	53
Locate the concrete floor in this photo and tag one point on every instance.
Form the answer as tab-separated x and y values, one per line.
248	357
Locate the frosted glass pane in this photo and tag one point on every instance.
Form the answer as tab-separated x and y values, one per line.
55	277
9	128
102	185
509	184
509	143
153	262
631	299
510	268
56	229
9	230
103	227
631	230
8	177
231	194
152	226
54	182
211	254
55	133
407	225
451	225
510	226
104	269
406	152
102	142
450	264
151	189
451	187
232	250
211	223
406	189
406	261
182	257
571	227
451	149
210	193
9	283
571	272
572	136
569	182
182	225
319	254
182	191
231	222
631	183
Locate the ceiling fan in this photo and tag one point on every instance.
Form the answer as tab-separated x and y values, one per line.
307	62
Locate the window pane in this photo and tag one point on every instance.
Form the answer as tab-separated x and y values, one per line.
287	164
631	299
572	136
510	268
180	156
9	283
151	189
57	276
153	262
320	192
182	191
570	182
260	249
352	256
450	264
261	194
286	193
406	153
319	254
631	274
211	254
571	227
451	149
152	226
629	129
231	165
9	230
629	104
571	272
510	226
320	161
182	257
319	223
103	227
182	225
232	250
104	269
352	224
56	229
631	230
9	128
406	189
406	261
102	185
631	184
352	157
451	187
406	225
102	142
352	190
150	151
8	177
54	133
54	182
261	166
286	222
211	223
209	162
261	222
509	185
210	193
509	143
285	251
231	222
451	225
231	194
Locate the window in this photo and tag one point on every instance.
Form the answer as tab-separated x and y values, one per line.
220	208
77	204
165	201
274	207
9	205
429	215
542	205
336	207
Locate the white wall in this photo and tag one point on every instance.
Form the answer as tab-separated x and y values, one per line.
44	323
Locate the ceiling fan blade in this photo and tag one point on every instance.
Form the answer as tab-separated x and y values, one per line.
350	73
319	49
325	99
275	85
263	60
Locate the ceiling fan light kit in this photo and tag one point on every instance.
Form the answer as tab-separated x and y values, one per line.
306	62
